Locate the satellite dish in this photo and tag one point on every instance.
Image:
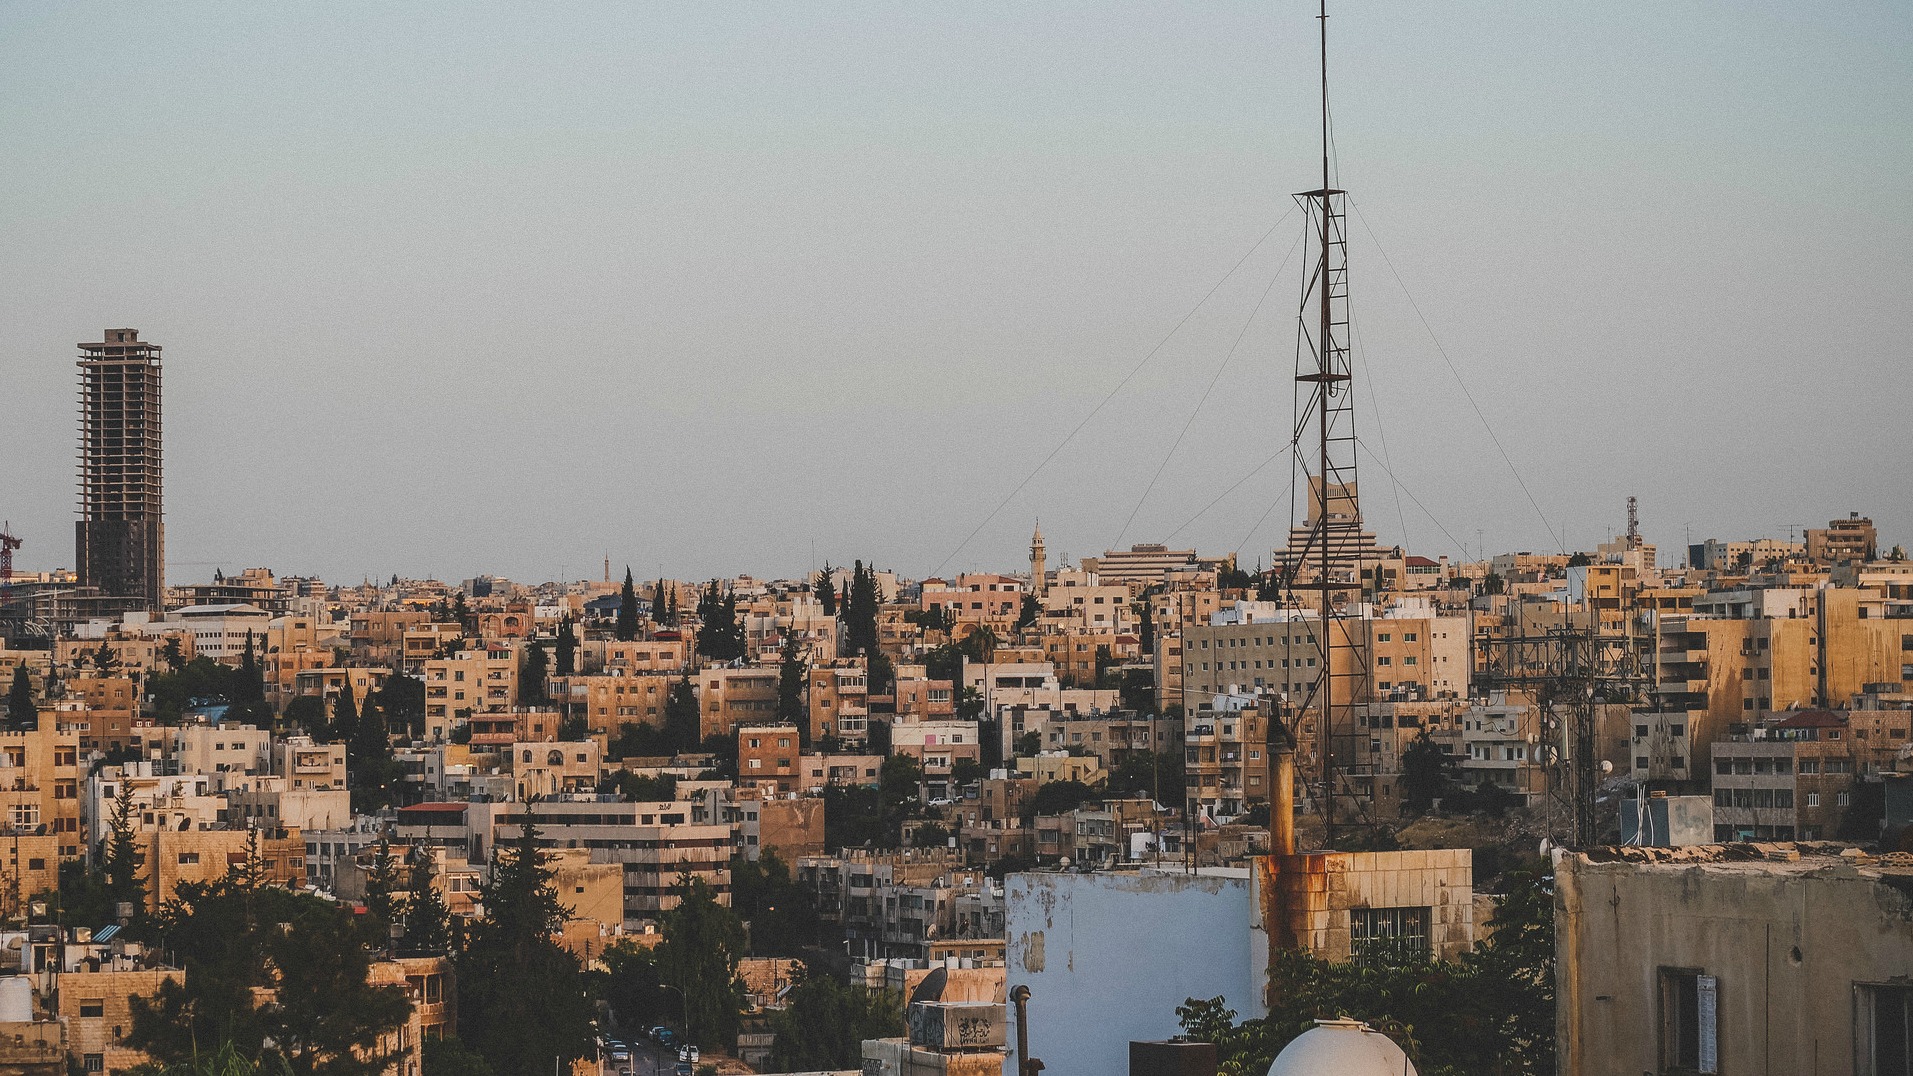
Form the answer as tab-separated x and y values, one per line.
1607	766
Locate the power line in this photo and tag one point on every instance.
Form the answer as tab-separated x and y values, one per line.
1071	436
1443	352
1217	376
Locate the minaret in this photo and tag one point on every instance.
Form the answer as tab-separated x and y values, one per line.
1038	579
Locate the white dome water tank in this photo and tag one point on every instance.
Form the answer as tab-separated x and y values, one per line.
16	1000
1342	1048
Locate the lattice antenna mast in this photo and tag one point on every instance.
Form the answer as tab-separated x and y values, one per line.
1332	500
8	543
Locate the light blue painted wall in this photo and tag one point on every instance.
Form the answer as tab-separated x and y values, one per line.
1108	957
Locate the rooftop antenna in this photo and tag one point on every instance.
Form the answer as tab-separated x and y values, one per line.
8	543
1633	524
1328	388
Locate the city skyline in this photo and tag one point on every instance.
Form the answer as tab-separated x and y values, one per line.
861	286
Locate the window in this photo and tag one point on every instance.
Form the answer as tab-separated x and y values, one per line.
95	1062
1883	1031
1813	799
1689	1036
92	1007
1380	933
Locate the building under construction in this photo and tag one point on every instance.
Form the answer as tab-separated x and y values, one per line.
120	538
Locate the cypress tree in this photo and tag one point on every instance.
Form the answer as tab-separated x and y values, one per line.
860	613
567	647
663	605
20	708
345	715
370	754
793	676
826	593
531	677
682	723
627	625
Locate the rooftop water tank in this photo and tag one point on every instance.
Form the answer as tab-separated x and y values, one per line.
1341	1048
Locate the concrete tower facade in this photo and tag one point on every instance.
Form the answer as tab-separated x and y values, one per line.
120	537
1038	578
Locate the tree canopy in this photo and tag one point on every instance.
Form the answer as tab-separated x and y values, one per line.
272	972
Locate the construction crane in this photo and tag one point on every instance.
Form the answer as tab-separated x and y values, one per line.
8	543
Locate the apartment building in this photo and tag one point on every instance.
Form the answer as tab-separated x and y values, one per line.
656	843
1226	771
39	784
893	904
1796	778
159	801
305	764
220	632
768	758
109	716
215	751
1079	602
729	697
547	768
974	597
1843	540
839	699
938	746
466	683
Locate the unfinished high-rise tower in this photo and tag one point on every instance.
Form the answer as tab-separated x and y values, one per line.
120	537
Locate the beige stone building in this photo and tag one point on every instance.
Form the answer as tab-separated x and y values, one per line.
728	698
96	1004
40	784
1763	958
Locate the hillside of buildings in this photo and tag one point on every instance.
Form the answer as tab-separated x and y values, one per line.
822	823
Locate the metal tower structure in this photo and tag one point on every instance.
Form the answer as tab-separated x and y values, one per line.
1571	672
8	543
1324	400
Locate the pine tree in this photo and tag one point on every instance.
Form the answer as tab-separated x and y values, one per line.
702	943
531	678
382	886
522	1001
21	711
106	661
567	647
793	677
627	625
120	854
826	593
428	922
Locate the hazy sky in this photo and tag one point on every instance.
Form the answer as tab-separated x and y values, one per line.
453	288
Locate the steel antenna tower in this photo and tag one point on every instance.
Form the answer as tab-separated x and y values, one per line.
1322	361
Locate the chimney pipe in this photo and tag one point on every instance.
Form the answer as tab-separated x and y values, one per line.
1281	752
